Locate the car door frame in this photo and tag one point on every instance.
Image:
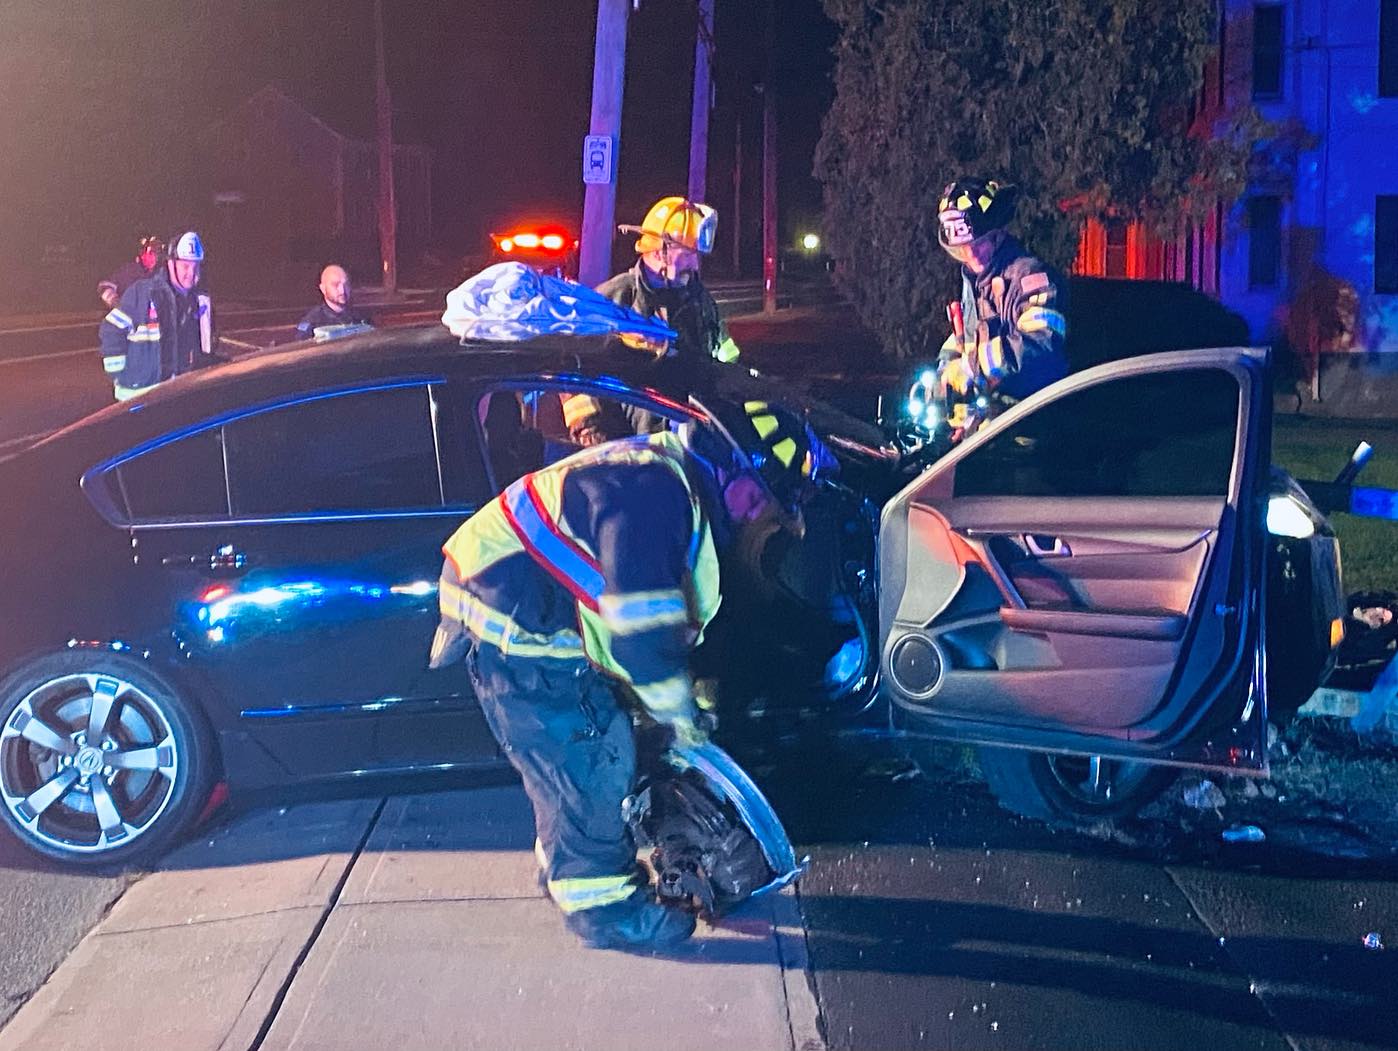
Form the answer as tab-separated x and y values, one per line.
237	724
1227	731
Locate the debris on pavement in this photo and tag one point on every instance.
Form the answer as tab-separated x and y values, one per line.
1243	834
1203	795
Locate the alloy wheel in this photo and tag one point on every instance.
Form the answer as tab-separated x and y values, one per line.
88	763
1094	782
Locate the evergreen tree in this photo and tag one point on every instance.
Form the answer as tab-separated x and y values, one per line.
1084	104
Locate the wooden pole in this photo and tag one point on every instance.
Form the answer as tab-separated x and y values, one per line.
387	200
608	82
769	168
703	101
769	199
738	197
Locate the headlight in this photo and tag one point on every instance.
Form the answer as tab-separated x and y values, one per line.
1285	517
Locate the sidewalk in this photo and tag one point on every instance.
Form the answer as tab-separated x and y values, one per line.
408	923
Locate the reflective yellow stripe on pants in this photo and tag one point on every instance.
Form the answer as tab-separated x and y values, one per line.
591	892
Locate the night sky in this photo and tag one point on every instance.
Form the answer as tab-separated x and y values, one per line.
103	102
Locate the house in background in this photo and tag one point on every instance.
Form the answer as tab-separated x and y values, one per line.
1309	255
290	193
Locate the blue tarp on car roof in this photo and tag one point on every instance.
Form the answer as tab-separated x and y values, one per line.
511	301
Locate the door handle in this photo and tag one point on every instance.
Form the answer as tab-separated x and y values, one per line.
1042	546
222	559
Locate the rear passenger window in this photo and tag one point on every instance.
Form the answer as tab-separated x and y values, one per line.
177	481
364	451
1167	434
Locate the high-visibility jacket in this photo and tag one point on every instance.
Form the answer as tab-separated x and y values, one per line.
607	555
689	309
155	333
1015	317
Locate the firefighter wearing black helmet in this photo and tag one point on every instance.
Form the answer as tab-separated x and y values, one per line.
1009	326
576	596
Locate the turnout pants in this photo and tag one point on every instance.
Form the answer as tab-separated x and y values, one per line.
561	726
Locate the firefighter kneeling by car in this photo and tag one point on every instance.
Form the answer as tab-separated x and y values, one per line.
583	588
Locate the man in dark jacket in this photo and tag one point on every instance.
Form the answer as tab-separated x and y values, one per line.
109	290
1008	340
583	588
162	326
336	306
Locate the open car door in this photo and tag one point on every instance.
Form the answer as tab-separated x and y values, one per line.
1085	574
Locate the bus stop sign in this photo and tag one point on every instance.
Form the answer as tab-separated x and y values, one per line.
597	159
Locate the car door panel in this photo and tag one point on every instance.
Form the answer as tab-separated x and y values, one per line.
1108	619
304	593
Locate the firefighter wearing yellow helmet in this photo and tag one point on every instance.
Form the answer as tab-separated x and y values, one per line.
575	599
665	281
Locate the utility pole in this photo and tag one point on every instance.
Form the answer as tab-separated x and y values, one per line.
388	205
703	101
738	195
769	167
608	82
769	199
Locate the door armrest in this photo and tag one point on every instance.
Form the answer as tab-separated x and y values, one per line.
1164	627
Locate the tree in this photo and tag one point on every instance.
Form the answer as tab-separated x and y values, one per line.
1084	104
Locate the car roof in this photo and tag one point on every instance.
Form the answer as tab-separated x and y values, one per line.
421	351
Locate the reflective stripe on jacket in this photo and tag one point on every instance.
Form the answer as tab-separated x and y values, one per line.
623	541
140	336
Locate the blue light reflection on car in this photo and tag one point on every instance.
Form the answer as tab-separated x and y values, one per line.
221	607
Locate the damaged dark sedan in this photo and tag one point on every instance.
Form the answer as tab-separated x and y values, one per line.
232	580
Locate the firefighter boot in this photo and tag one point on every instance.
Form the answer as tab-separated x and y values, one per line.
639	922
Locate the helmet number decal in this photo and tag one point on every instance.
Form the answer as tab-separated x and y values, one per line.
955	229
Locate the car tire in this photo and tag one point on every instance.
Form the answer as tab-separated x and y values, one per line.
1068	791
113	801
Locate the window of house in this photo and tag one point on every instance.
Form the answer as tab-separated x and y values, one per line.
1388	49
1169	434
1116	248
1268	26
1386	244
182	480
363	451
1264	241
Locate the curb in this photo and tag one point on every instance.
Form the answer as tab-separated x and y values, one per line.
802	1007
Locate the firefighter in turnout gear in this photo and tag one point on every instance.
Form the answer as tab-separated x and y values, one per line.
576	597
665	281
148	251
1013	307
163	324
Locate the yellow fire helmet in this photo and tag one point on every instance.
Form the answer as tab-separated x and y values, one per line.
676	221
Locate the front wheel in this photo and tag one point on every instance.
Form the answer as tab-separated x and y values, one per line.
1068	790
101	762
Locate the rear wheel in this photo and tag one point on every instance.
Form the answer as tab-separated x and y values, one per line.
101	761
1070	790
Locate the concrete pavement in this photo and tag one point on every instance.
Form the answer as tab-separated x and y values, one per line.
412	922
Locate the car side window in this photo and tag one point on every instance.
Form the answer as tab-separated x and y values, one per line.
529	429
179	480
1169	434
369	450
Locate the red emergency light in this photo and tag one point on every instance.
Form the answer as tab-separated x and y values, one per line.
526	241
